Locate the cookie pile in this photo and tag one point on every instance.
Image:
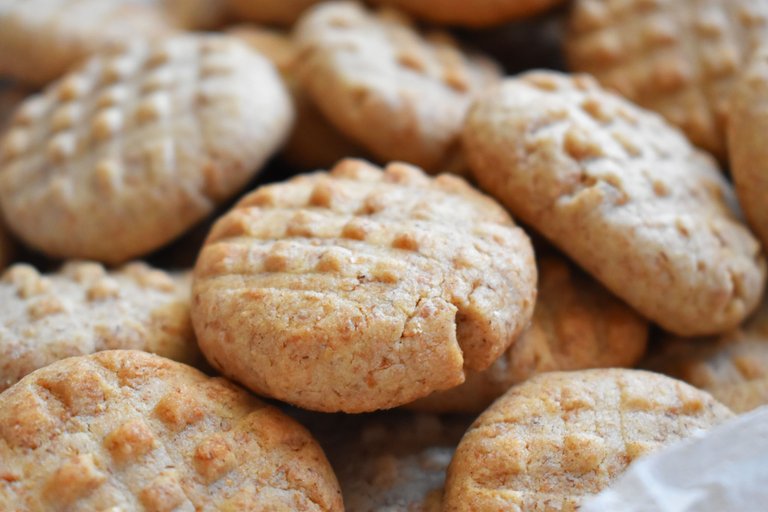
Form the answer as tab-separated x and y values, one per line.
441	274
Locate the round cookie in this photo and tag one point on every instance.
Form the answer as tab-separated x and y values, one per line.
314	142
678	58
560	437
271	12
478	13
358	289
623	194
399	94
82	309
748	122
42	39
149	140
127	430
733	367
577	324
396	462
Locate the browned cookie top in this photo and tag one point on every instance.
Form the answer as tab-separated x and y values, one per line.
360	289
129	430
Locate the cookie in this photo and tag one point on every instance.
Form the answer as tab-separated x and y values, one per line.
623	193
733	367
577	324
270	12
396	462
560	437
149	139
314	143
83	308
399	94
748	156
678	58
42	39
127	430
476	14
358	289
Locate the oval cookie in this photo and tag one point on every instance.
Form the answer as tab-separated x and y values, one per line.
399	94
42	39
679	58
477	13
82	309
576	324
148	140
748	122
622	193
560	437
127	430
359	289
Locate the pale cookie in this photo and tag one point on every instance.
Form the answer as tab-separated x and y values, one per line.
623	194
314	142
42	39
679	58
83	309
400	94
127	430
125	154
577	324
396	463
477	13
560	437
358	289
271	12
733	366
748	124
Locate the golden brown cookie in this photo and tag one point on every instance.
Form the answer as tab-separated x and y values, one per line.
748	122
196	14
314	142
732	366
560	437
398	93
396	462
577	324
621	192
477	13
83	309
358	289
127	430
270	12
123	155
678	58
42	39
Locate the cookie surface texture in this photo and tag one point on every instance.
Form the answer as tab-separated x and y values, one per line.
482	13
82	309
148	139
748	155
560	437
133	431
733	367
621	192
400	94
42	39
678	58
358	289
577	324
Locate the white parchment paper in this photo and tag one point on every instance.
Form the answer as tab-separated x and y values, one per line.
724	470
